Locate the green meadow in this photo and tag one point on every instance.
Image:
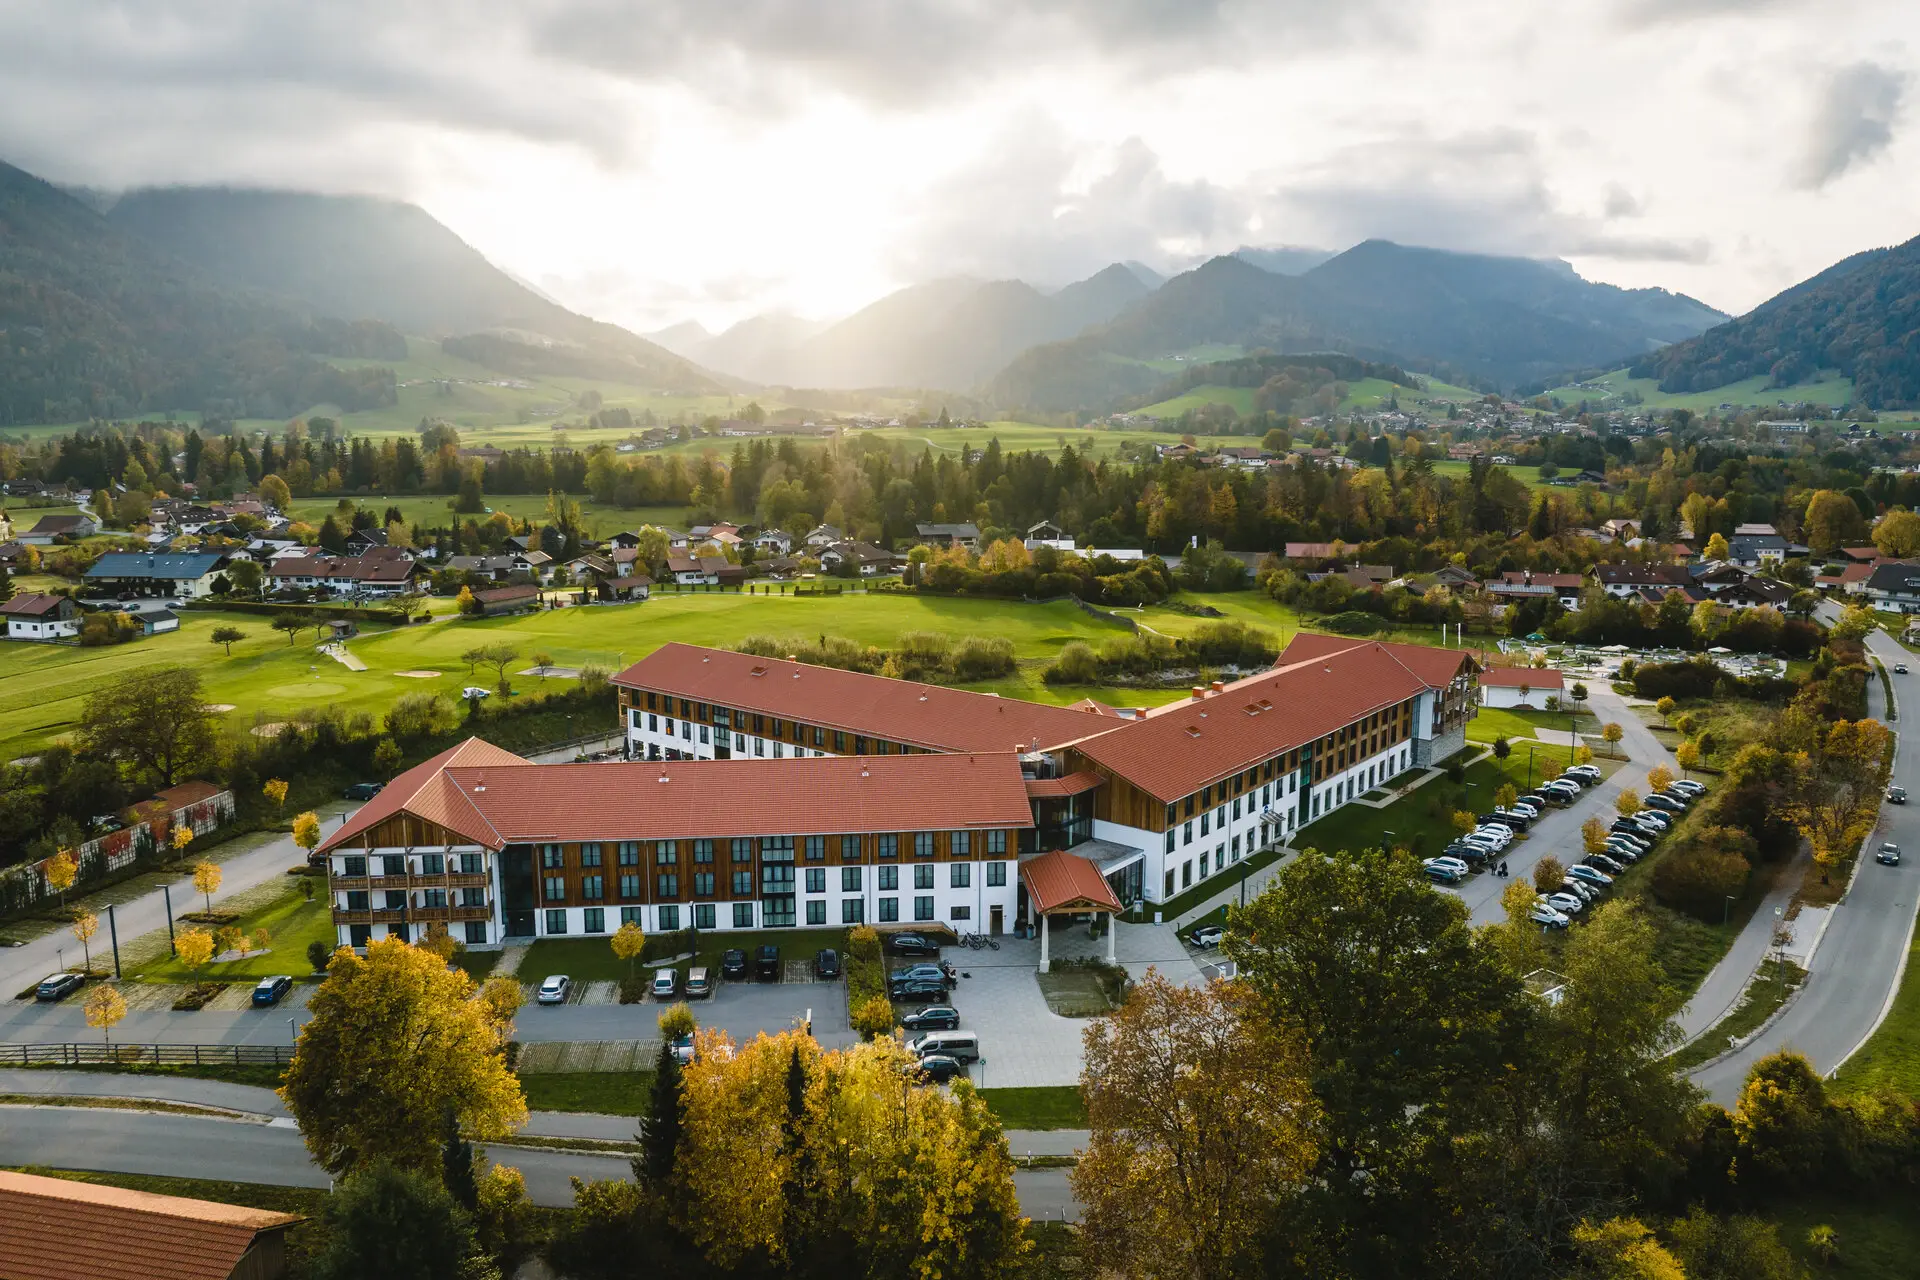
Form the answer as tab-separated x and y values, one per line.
1831	390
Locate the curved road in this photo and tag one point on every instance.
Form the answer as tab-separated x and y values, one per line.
1858	965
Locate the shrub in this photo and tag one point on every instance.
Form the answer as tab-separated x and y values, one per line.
1354	622
318	955
1076	664
1699	879
633	989
982	658
421	715
866	975
872	1017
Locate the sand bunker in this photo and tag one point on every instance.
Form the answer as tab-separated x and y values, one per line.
269	729
418	675
219	706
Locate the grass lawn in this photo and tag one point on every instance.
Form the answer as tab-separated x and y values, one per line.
608	1093
291	920
1891	1056
1878	1239
1057	1106
1770	988
1506	722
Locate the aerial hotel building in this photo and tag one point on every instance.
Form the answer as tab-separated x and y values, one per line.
762	793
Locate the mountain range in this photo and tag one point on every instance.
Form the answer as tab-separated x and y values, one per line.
1860	317
952	333
1472	318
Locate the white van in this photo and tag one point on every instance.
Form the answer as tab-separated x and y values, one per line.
963	1046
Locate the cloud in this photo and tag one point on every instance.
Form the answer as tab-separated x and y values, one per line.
1648	13
1853	123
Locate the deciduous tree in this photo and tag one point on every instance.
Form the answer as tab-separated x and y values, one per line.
1548	873
291	623
104	1008
1593	835
1687	756
408	1033
275	789
226	636
306	832
1898	533
385	1220
1665	706
85	924
206	881
1201	1118
153	721
1659	778
62	869
1611	733
194	947
628	942
1623	1249
1627	803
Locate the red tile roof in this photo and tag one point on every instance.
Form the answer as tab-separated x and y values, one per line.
1324	684
921	715
1061	880
505	800
1538	678
425	792
187	793
58	1229
1071	785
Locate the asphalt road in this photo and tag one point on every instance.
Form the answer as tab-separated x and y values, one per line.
272	1153
1857	967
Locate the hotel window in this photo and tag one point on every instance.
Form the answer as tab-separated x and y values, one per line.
593	920
742	849
776	849
470	864
1167	892
1205	818
1236	808
686	709
590	855
742	884
1170	839
354	865
923	877
556	922
634	916
665	853
628	853
849	848
960	844
819	737
743	915
1206	797
779	751
705	739
629	886
851	911
1186	873
653	703
703	851
960	913
669	918
816	879
923	908
889	845
889	910
592	888
816	848
817	912
849	879
703	884
357	900
668	885
839	741
760	746
1172	814
360	934
889	879
686	730
703	915
476	932
393	864
432	864
959	875
923	844
996	875
859	744
556	888
996	842
550	856
653	724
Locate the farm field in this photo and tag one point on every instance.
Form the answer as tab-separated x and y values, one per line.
432	510
1368	393
1832	391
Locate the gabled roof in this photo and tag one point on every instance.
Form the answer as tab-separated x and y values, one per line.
32	604
60	524
1894	576
425	792
59	1229
140	564
920	715
1061	881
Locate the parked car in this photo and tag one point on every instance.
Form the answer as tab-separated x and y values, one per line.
58	986
925	972
1666	804
963	1045
1619	856
1690	787
1896	795
1585	892
919	991
938	1068
1207	935
826	965
1591	874
554	989
699	983
1686	798
1502	836
1564	902
935	1017
912	944
363	790
1444	874
733	965
1662	820
1889	854
766	963
683	1049
666	984
1451	864
270	990
1545	915
1591	772
1533	798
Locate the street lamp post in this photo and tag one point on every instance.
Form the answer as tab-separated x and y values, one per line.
1726	910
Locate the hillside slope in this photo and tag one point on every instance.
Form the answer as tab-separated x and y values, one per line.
1860	316
355	256
1466	316
94	323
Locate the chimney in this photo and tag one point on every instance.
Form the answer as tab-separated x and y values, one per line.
1198	693
1219	686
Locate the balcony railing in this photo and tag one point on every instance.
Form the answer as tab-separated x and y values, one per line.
444	880
415	915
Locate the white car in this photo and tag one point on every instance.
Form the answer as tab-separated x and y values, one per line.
1450	868
666	984
554	989
1659	819
1207	935
1586	771
1523	806
1564	902
1545	915
1500	835
475	691
1689	787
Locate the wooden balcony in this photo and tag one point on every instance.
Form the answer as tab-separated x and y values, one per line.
471	913
348	882
389	882
461	880
341	915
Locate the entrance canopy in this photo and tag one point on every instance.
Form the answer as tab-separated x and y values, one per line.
1063	882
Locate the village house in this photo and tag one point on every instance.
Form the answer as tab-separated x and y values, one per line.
1520	686
185	576
868	560
32	616
67	528
965	534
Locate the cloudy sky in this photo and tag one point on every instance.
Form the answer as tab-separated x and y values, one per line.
648	161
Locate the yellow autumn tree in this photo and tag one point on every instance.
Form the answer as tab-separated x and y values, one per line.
1627	803
62	869
413	1040
206	880
1593	835
1505	795
1687	756
85	924
919	1177
1611	733
104	1008
182	837
306	833
194	947
628	942
1659	778
1202	1119
1624	1249
276	791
